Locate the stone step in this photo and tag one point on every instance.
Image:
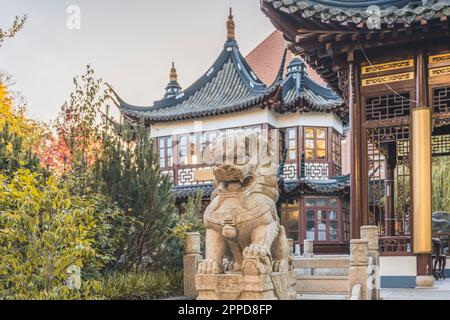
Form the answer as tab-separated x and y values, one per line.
306	296
322	284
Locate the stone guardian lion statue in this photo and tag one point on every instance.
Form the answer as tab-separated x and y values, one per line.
243	231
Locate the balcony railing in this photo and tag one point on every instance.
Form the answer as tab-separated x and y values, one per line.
395	245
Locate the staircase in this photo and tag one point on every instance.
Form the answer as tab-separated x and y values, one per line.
322	278
340	277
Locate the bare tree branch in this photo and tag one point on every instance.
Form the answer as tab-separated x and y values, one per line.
18	24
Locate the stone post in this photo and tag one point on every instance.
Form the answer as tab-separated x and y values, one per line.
359	261
308	248
291	245
370	233
190	261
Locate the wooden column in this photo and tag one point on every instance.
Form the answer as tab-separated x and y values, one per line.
356	174
421	176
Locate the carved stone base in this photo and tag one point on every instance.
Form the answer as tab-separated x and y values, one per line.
235	286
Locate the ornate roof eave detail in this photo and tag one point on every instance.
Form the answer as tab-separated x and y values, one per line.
319	32
182	193
391	12
303	104
301	93
332	186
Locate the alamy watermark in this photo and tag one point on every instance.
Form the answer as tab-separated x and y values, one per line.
74	17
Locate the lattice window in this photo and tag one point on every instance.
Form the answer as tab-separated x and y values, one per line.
387	107
389	178
440	145
441	100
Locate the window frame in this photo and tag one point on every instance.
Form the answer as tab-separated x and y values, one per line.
315	140
163	144
287	140
328	208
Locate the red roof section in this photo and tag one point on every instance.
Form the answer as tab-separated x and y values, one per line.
265	59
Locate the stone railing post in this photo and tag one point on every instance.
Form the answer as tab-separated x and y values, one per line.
190	261
370	233
359	261
308	248
291	245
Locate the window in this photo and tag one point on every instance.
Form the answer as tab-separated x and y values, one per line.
183	149
336	145
193	149
290	219
256	128
346	220
202	148
315	143
189	149
322	219
165	152
291	144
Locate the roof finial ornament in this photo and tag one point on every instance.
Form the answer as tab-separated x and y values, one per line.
173	88
173	73
231	26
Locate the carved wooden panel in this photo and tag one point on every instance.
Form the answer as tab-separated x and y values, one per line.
290	171
168	173
316	170
441	100
386	107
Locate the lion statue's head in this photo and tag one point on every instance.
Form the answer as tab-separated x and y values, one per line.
244	162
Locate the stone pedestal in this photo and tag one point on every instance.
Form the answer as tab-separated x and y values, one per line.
424	281
235	286
370	233
359	261
308	248
190	262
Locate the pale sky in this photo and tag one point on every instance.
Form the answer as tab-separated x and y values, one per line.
130	44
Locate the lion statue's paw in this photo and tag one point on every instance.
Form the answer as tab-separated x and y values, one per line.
257	260
209	267
231	266
282	265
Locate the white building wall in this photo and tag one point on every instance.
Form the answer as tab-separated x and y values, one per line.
250	117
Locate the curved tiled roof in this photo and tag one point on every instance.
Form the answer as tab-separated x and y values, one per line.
229	85
182	193
341	11
331	186
300	91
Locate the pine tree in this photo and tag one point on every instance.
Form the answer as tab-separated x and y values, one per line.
130	175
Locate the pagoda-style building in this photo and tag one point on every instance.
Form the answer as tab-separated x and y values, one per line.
390	61
303	120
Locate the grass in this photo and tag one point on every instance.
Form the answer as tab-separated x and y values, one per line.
142	285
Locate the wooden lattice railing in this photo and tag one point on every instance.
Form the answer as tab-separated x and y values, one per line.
395	245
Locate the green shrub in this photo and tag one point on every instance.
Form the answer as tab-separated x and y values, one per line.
41	235
142	285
